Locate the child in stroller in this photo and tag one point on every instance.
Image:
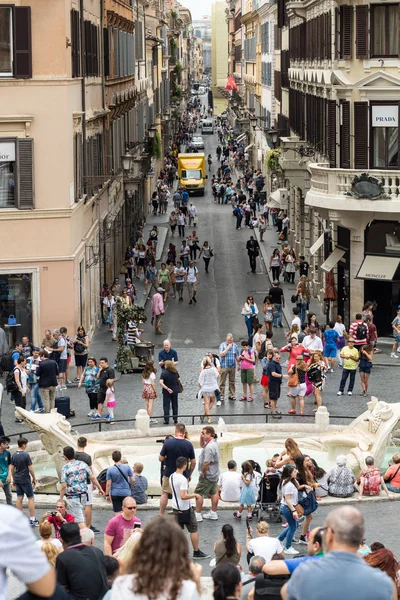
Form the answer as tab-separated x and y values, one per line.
267	506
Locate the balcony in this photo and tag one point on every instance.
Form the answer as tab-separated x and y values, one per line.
333	189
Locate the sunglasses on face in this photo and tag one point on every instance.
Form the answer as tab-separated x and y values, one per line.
130	507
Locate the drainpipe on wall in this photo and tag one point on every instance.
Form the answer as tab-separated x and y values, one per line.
83	90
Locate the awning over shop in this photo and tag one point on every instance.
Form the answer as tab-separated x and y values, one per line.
240	138
333	259
317	245
381	268
248	147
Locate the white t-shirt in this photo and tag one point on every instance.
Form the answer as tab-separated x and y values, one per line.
312	344
191	274
16	533
53	541
340	328
122	590
150	379
179	482
290	488
297	321
265	546
258	337
230	483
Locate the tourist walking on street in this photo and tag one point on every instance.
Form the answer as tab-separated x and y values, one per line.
81	345
149	393
208	381
351	358
247	359
396	334
20	385
316	370
180	276
5	468
208	473
172	222
275	264
110	401
181	224
207	253
169	382
24	479
157	309
150	277
250	312
303	297
264	378
184	254
120	479
278	300
253	251
268	309
297	384
262	226
331	338
238	212
341	342
228	354
289	501
105	373
290	261
366	357
47	372
192	281
248	495
163	280
275	377
91	383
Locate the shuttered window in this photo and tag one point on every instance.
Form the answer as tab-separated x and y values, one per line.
346	32
15	42
331	132
277	86
361	31
385	30
139	40
345	134
106	51
75	44
78	167
91	49
361	135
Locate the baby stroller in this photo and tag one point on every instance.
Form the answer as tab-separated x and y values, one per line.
267	505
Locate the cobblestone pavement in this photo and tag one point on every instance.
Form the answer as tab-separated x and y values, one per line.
379	527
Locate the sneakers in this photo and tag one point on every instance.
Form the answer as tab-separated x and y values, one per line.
96	417
219	402
39	410
58	388
199	517
94	529
108	418
291	551
33	522
63	387
194	299
237	515
211	515
231	397
198	554
153	421
76	380
339	393
393	355
349	393
302	539
91	413
332	371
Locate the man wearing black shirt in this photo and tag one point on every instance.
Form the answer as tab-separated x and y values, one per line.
47	373
278	300
275	376
303	266
80	569
172	449
253	250
105	373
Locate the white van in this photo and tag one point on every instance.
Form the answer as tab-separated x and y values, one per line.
207	126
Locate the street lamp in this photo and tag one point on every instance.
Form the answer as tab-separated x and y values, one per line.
274	135
253	121
152	132
127	160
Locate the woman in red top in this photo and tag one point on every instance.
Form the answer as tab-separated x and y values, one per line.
295	349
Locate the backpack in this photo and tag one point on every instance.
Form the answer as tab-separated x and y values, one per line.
268	586
261	354
6	363
361	331
314	373
11	385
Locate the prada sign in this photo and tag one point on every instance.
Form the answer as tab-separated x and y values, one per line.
385	116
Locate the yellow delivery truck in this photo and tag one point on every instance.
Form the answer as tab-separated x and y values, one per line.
192	172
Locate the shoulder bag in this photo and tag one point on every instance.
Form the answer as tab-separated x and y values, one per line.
393	476
124	476
308	502
184	516
179	384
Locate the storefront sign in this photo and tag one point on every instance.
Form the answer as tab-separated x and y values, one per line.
7	151
385	116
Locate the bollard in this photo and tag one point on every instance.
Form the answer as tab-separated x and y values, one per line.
142	421
322	418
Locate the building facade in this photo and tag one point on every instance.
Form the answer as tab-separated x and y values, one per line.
82	83
219	46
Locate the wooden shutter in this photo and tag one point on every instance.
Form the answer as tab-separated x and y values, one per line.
331	130
106	51
346	32
345	135
25	186
361	31
22	42
361	135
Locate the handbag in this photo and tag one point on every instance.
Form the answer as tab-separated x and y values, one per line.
180	386
184	516
124	270
293	298
299	509
309	503
275	314
293	380
12	321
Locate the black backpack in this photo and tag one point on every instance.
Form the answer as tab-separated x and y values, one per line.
11	385
6	362
261	354
361	331
268	587
314	373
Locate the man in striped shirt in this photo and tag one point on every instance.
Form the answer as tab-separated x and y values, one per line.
358	331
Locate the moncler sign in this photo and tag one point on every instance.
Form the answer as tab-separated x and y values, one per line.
7	151
385	116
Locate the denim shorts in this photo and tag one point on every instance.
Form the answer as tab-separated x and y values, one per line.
24	489
62	365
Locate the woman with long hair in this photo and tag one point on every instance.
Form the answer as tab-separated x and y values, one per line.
227	582
288	455
250	312
149	393
297	384
124	553
45	531
313	323
290	261
303	297
227	550
91	382
51	551
316	370
365	366
208	381
275	264
305	483
289	501
384	560
169	383
81	345
159	567
268	309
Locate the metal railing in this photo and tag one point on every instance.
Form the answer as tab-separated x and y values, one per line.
264	418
